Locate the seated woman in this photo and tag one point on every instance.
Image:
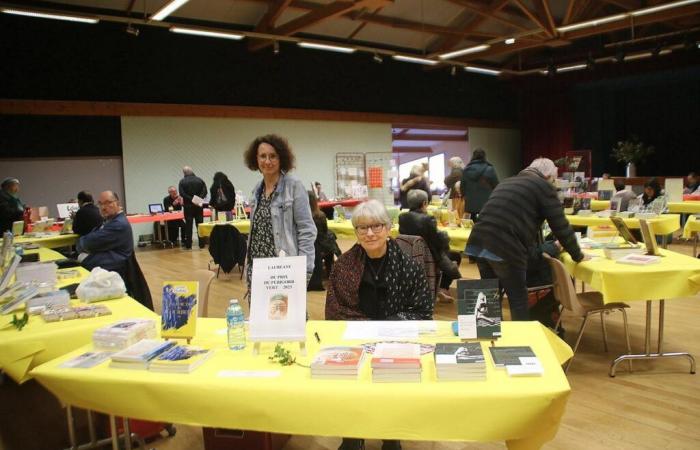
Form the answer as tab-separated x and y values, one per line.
417	222
375	280
653	197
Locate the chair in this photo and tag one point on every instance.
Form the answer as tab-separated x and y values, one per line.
204	277
227	248
584	305
415	247
136	285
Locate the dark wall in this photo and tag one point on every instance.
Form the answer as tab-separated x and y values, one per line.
662	109
46	59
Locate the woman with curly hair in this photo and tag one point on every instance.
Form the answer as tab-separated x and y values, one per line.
280	215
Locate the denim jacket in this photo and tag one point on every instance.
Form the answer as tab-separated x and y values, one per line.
292	224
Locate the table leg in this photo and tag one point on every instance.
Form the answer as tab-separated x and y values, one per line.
664	241
94	442
647	344
127	433
71	427
113	432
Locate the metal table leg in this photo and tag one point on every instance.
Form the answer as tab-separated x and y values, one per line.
94	442
647	344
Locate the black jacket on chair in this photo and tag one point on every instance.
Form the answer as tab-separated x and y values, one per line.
227	247
225	203
136	285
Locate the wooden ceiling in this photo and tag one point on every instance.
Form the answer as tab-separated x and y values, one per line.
518	37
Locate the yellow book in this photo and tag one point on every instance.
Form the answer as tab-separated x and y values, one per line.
179	309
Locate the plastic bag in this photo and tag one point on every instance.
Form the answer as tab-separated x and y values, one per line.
101	285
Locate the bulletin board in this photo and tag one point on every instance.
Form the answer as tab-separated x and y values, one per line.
381	172
349	173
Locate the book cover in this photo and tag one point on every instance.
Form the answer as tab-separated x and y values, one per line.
180	359
638	260
86	360
179	309
144	350
478	309
510	356
396	354
460	353
345	358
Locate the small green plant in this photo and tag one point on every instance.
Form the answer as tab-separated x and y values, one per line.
632	151
284	357
21	322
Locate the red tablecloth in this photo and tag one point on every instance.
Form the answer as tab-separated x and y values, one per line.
176	215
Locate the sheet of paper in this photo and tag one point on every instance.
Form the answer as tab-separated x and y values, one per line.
197	200
379	329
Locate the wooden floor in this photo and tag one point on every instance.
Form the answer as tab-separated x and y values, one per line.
656	407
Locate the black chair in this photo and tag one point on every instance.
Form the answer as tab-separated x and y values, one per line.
136	285
227	247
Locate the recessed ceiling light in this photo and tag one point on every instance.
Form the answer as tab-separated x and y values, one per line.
168	9
465	51
46	15
510	41
413	59
330	48
206	33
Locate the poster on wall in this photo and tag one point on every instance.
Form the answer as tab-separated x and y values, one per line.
349	172
381	168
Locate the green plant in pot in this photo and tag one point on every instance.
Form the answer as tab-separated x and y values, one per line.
632	152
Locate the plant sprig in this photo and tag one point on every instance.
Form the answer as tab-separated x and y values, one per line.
21	322
284	357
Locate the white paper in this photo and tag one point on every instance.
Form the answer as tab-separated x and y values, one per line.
352	171
529	365
379	329
674	189
248	373
197	200
466	324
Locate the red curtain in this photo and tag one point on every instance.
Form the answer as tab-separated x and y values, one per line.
547	125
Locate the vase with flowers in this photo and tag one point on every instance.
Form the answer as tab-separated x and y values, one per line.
632	152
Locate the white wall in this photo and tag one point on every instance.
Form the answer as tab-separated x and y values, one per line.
156	148
502	148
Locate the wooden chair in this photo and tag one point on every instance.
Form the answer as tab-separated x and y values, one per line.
204	277
583	305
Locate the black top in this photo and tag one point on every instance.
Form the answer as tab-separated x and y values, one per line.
510	222
168	203
262	240
191	185
11	210
416	223
86	219
478	181
422	185
373	288
222	196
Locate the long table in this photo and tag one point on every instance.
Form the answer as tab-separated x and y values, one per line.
49	241
684	207
663	224
675	276
243	225
691	231
524	412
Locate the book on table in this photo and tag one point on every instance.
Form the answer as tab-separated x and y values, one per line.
180	359
478	309
87	360
459	361
638	259
179	309
396	361
337	362
517	360
139	355
122	334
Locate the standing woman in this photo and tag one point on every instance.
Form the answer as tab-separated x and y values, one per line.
222	194
280	214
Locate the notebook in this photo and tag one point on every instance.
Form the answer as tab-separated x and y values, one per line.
155	208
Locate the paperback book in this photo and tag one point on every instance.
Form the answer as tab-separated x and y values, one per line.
337	362
180	359
139	355
396	362
478	309
179	309
518	361
122	334
87	360
459	361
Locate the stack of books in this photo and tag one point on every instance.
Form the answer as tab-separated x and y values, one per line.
39	272
396	362
460	362
180	359
139	355
61	312
123	334
638	260
337	363
518	361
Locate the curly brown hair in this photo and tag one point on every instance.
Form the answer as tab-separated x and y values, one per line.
281	146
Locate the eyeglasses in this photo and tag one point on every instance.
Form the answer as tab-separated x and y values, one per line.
108	202
269	157
375	227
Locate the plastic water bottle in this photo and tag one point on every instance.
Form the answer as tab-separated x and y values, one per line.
235	321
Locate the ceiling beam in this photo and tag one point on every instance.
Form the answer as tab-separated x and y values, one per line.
483	11
452	42
429	137
274	11
625	4
544	10
537	20
569	12
398	149
318	15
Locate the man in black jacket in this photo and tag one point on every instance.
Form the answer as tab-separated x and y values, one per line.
479	179
509	229
189	186
88	217
11	207
173	202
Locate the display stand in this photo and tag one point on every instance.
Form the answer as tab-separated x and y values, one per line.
239	212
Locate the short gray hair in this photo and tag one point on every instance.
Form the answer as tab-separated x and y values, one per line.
187	170
415	198
456	162
545	166
371	210
417	170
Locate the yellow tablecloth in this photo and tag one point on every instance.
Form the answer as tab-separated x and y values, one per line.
675	276
52	241
458	236
525	412
242	225
45	254
39	342
687	207
600	205
692	225
664	224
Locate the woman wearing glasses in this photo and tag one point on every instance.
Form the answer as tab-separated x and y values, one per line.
280	213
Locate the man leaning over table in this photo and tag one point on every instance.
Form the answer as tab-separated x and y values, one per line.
173	202
110	245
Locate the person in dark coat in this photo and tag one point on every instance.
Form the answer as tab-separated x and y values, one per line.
478	180
325	245
88	217
11	207
189	186
417	222
416	180
173	202
222	194
112	244
510	227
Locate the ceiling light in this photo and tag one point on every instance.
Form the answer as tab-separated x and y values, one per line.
510	41
132	30
592	23
464	51
42	15
482	70
167	9
571	68
330	48
653	9
413	59
638	56
276	48
378	59
206	33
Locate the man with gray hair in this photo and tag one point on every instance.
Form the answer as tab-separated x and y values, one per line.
189	187
509	230
11	207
